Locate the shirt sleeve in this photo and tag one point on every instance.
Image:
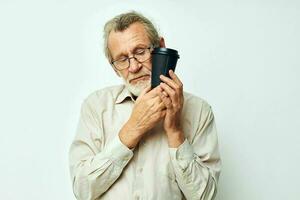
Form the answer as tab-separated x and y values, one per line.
197	163
93	170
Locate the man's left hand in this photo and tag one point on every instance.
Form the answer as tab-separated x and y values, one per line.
172	96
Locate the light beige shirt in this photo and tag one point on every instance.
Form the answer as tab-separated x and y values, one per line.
103	168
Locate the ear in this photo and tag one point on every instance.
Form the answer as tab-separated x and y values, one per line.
162	42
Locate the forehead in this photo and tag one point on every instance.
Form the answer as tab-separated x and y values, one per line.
122	42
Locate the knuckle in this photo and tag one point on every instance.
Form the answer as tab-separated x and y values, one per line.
152	108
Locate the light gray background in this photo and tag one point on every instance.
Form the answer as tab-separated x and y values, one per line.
241	56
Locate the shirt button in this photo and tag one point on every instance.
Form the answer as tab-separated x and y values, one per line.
140	169
97	143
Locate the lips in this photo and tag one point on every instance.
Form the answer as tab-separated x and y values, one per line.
139	78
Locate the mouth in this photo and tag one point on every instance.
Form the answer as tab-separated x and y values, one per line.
144	77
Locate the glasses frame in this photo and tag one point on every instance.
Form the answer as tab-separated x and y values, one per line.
133	56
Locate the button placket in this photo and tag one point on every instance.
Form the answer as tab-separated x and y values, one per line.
140	170
139	182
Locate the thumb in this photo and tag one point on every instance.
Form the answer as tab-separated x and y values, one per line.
144	91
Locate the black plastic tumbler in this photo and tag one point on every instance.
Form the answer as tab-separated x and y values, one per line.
163	59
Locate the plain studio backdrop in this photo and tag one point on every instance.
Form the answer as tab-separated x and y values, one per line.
240	56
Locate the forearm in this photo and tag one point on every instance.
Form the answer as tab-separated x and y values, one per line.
130	136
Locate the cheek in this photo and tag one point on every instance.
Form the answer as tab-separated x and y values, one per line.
148	65
124	74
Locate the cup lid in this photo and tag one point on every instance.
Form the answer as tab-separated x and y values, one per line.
166	51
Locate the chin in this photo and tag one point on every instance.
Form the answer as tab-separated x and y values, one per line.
137	88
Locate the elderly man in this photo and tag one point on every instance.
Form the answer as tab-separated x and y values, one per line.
136	143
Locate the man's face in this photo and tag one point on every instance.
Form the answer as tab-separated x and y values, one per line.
125	44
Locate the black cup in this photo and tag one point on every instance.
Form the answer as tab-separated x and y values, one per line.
163	59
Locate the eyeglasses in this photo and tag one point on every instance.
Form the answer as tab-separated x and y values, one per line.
141	55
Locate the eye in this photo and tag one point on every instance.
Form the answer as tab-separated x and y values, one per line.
140	52
121	60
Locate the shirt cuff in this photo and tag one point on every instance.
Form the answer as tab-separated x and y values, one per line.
182	156
118	152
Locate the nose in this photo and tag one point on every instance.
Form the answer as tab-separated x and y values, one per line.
134	65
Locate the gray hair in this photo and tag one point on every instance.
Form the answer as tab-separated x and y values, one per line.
122	22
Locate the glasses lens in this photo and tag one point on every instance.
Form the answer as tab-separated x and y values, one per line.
143	55
121	64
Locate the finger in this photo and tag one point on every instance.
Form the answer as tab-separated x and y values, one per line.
169	81
167	101
155	91
165	94
171	92
175	77
144	91
156	100
158	107
161	106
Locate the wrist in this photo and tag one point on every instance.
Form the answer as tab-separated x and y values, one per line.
175	139
129	136
174	132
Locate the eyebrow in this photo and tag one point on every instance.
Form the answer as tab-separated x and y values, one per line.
139	46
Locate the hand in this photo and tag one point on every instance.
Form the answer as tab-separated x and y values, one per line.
147	111
172	97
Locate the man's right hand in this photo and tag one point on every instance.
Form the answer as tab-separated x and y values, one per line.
147	111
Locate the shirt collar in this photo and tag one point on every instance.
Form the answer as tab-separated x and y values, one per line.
123	95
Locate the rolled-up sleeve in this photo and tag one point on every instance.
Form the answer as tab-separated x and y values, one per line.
197	163
93	170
